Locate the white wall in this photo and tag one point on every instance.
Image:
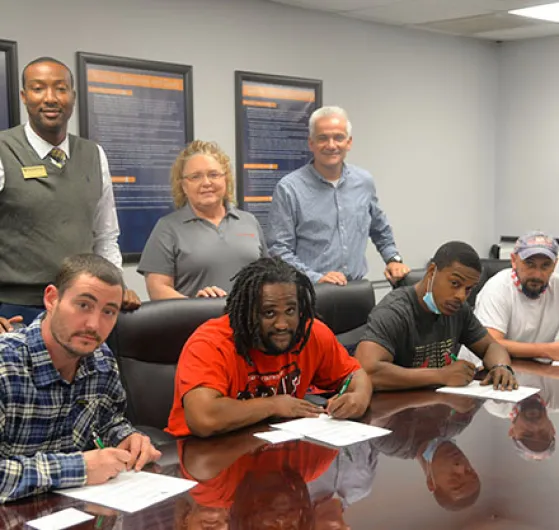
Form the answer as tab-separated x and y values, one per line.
422	105
528	149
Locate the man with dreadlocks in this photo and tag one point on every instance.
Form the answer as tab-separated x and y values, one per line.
258	360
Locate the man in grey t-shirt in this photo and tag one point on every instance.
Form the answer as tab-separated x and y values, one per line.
414	334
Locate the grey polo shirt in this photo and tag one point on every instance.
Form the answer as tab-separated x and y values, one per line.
198	254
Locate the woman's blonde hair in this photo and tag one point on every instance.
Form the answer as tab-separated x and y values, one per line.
199	147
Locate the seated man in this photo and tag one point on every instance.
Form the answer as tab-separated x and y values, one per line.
60	392
415	333
258	360
520	306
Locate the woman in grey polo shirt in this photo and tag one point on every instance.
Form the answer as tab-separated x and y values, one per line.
195	250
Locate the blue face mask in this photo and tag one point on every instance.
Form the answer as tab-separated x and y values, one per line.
428	296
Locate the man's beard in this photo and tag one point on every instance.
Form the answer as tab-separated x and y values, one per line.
271	349
73	352
535	289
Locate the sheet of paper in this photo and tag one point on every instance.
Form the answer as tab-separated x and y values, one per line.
487	392
331	431
279	436
555	363
543	360
131	491
59	520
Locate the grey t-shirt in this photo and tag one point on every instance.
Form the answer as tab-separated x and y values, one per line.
417	338
198	254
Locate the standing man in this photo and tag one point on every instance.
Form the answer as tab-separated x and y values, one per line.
56	196
323	213
520	306
62	404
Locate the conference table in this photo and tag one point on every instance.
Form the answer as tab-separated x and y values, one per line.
451	462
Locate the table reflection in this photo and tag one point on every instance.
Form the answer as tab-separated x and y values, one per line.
425	425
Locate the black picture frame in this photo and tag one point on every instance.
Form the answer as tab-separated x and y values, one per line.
9	49
288	82
86	59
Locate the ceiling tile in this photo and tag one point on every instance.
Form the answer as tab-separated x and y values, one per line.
538	30
337	5
421	11
480	24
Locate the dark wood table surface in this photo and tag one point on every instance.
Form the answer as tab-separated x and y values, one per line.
494	467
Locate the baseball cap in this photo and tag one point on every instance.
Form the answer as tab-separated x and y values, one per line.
535	243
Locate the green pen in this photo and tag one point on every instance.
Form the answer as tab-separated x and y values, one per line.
453	357
345	385
97	441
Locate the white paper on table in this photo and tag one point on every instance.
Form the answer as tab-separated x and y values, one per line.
555	363
278	436
543	360
488	392
131	491
60	520
332	431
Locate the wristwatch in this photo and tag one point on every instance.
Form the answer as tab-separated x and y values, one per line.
509	368
395	259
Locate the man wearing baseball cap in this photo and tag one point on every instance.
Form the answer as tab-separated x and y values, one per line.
520	306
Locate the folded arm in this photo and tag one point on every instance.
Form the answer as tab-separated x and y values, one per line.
208	412
21	476
526	350
385	375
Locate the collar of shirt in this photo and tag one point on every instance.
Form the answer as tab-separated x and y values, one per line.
315	173
189	215
42	368
42	147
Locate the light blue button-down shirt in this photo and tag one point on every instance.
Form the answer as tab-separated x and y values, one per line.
319	227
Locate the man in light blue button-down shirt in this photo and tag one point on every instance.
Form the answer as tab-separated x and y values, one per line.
323	213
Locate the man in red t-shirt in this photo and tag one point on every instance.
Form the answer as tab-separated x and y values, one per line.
258	360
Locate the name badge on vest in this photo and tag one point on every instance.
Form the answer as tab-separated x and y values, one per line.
34	172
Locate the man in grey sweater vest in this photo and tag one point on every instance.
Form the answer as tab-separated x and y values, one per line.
56	196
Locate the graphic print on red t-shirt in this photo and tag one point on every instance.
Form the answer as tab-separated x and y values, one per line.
285	381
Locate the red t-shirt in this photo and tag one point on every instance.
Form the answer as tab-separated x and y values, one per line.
209	359
308	460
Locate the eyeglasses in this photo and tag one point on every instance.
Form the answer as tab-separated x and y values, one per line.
197	177
323	139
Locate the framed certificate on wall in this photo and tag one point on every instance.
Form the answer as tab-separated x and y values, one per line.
141	113
272	117
9	97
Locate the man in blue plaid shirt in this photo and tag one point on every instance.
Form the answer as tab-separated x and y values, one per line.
60	391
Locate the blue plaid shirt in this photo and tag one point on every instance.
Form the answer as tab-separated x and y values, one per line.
46	422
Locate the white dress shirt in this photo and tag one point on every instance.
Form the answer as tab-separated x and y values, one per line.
105	222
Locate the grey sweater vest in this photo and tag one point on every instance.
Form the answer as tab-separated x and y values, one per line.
44	220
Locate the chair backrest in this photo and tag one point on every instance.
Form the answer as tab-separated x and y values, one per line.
345	308
414	276
147	344
489	267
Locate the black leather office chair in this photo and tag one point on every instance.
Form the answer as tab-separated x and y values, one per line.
489	267
345	309
147	344
414	276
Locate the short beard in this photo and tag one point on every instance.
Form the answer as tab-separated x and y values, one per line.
531	293
68	349
271	349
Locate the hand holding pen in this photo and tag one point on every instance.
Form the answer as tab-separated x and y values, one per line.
458	373
344	403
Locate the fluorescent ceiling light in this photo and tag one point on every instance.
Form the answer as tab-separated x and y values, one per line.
549	12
